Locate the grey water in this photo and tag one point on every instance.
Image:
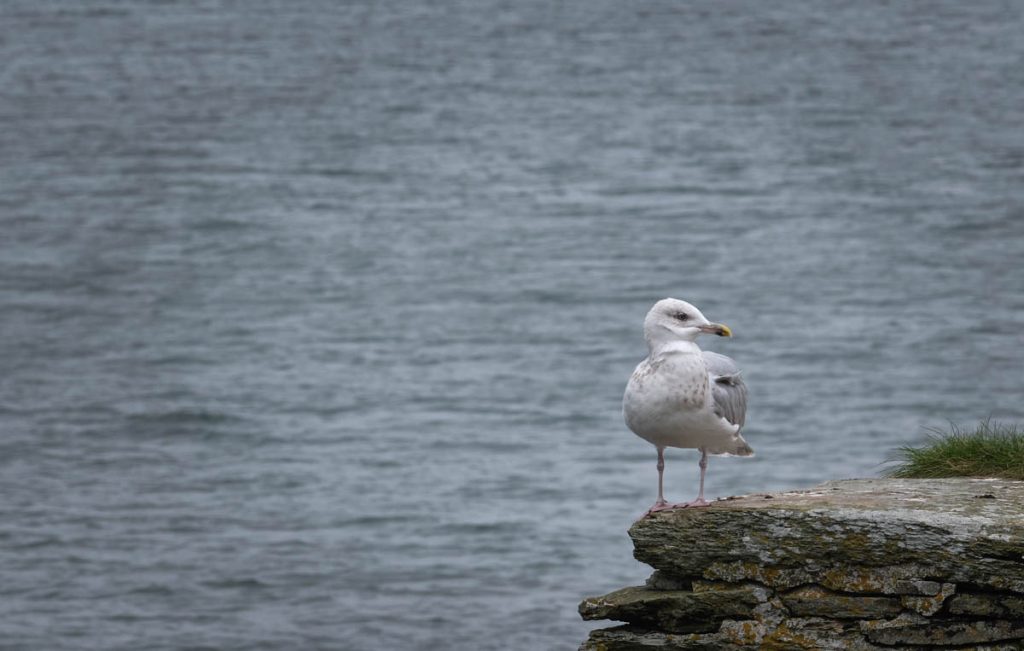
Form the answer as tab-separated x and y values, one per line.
315	316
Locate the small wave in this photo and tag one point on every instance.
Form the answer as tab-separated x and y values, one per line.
46	541
152	589
220	224
673	190
347	172
183	417
236	584
487	527
373	520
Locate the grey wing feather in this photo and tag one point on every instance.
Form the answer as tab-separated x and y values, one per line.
727	388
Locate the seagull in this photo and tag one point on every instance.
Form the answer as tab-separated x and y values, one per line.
683	397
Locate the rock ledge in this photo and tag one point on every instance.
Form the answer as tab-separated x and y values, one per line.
852	564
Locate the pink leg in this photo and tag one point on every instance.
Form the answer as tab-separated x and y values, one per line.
700	501
661	504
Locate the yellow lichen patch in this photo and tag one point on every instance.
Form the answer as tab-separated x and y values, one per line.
742	633
854	542
928	605
852	580
783	637
740	571
714	586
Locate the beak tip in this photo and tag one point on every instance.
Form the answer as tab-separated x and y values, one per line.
719	329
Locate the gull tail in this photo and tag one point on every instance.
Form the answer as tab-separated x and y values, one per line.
738	447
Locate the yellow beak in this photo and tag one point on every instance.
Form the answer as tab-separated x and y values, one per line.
719	329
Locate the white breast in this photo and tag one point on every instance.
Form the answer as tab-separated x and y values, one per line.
668	402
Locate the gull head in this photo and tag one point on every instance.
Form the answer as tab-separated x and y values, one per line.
674	320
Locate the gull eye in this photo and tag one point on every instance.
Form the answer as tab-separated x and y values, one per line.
682	316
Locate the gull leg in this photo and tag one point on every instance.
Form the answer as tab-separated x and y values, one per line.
661	504
700	501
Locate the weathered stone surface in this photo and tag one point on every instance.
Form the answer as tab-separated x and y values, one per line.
929	605
930	588
797	633
675	611
628	638
813	601
911	628
815	633
759	591
988	605
893	579
660	581
901	530
860	564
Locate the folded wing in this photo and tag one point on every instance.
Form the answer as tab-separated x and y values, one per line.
727	387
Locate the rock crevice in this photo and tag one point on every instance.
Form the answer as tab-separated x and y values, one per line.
853	564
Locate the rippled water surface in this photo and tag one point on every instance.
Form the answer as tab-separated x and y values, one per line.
315	316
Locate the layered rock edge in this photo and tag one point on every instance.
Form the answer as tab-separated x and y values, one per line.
850	564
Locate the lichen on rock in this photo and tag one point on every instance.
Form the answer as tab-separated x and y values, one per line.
862	564
815	601
676	611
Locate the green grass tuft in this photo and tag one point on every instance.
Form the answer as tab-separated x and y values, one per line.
990	450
